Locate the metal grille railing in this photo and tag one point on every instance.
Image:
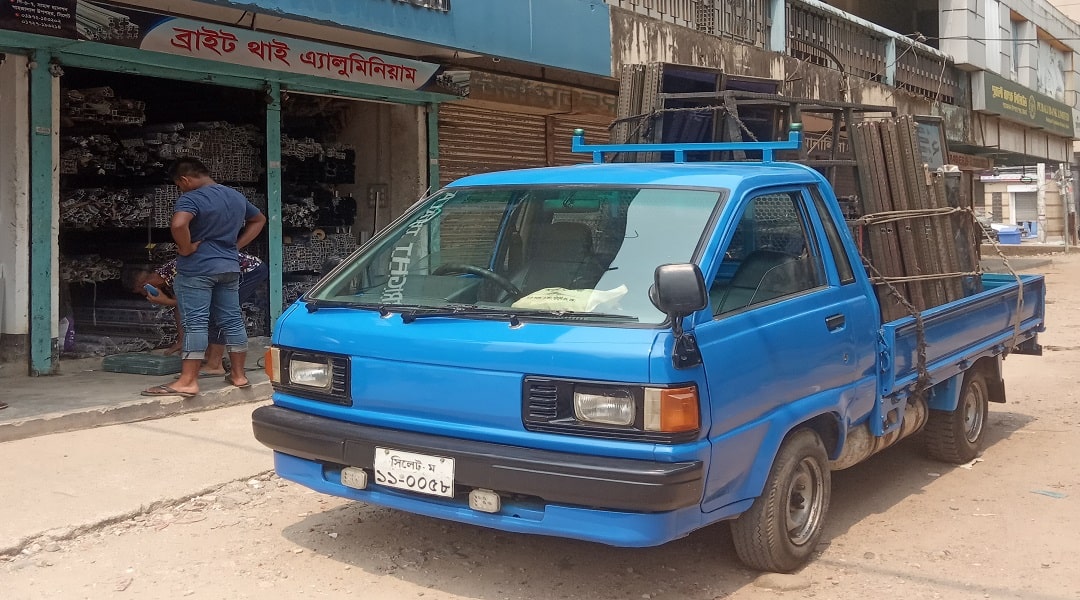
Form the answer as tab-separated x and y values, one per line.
740	20
820	37
680	12
921	72
824	39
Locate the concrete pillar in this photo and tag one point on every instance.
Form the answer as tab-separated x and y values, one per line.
44	213
962	26
433	147
890	61
778	26
1040	200
408	165
1027	57
1065	195
392	161
273	196
14	210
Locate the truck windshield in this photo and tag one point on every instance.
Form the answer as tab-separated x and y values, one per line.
578	253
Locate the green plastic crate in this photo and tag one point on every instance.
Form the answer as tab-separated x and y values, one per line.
141	363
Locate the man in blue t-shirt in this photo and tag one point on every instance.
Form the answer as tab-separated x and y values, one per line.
209	224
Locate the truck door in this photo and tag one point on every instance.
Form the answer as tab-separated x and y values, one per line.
782	330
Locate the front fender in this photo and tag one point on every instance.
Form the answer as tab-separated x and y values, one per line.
742	458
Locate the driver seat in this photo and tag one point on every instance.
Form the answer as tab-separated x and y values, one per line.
560	255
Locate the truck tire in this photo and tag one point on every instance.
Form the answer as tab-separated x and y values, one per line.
782	527
956	436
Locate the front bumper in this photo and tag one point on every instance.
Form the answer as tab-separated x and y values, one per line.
555	477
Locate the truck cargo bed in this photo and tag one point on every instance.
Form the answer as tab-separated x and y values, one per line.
962	331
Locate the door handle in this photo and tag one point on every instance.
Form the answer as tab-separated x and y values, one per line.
835	322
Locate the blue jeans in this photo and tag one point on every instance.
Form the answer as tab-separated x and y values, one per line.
249	284
202	298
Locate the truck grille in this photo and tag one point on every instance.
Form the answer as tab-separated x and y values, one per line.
543	401
339	378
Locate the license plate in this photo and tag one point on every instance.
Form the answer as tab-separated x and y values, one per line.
421	473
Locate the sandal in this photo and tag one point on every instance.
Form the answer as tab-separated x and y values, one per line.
229	381
164	390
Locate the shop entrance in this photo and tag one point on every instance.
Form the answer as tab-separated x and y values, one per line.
118	135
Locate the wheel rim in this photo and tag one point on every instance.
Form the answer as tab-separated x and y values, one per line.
974	400
806	497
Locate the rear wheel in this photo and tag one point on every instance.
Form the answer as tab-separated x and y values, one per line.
956	436
782	527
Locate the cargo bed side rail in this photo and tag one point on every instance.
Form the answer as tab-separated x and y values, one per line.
961	332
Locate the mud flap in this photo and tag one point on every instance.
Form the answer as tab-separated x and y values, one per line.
1030	347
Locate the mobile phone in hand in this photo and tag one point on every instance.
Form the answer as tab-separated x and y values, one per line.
153	291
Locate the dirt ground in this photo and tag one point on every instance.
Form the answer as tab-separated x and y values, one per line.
900	525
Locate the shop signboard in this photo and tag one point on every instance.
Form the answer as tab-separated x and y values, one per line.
1017	103
100	22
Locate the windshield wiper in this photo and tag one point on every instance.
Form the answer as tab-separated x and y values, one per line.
459	310
513	316
314	305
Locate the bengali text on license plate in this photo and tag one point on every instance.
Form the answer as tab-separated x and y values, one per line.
414	472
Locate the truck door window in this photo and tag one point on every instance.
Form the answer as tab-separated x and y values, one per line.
771	255
832	234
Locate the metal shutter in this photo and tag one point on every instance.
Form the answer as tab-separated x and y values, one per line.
473	140
562	131
1026	204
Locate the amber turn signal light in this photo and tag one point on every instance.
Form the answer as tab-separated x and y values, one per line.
272	364
672	410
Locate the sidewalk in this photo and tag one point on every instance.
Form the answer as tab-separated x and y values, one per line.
994	264
84	396
58	486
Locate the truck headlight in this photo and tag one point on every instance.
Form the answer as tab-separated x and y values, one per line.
309	374
612	408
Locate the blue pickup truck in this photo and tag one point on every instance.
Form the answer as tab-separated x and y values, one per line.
625	353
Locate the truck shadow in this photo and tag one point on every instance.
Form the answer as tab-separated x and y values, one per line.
418	553
899	472
474	562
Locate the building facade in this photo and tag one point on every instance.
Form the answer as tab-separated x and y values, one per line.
328	115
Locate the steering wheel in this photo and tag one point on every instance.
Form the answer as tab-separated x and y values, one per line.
501	281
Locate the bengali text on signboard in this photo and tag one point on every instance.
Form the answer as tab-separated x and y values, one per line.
1017	103
123	26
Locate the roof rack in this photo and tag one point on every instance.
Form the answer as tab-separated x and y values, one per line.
793	142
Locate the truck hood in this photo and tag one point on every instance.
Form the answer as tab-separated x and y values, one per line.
467	373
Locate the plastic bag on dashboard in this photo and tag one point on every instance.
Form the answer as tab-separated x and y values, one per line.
555	298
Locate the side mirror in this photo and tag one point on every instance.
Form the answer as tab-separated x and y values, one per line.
678	290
